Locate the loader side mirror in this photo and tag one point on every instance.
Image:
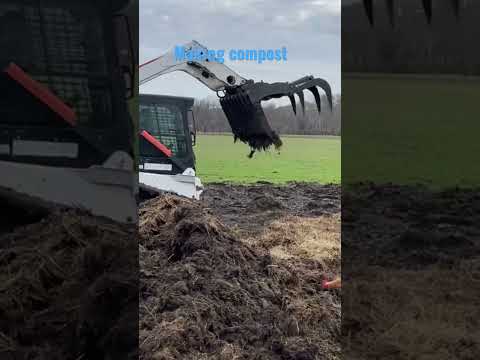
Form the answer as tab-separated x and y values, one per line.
194	138
193	127
125	52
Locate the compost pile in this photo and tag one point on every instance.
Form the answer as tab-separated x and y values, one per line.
69	289
205	293
413	272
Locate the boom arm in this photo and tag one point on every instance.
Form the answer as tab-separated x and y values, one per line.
212	74
241	101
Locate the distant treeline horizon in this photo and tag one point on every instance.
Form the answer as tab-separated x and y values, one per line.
210	118
447	46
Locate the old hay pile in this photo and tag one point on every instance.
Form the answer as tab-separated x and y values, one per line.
69	289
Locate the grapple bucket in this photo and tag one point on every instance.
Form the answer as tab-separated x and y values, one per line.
242	107
248	122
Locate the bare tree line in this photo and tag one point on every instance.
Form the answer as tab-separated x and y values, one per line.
209	117
448	46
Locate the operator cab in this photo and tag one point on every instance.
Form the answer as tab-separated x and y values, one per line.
67	71
167	136
62	93
169	120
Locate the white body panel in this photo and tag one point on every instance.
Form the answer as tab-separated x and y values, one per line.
158	167
104	191
186	184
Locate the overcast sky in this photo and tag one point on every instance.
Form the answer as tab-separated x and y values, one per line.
309	29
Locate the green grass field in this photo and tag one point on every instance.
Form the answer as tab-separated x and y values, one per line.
400	130
411	131
312	159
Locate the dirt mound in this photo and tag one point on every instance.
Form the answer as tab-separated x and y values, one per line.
207	295
419	248
265	202
69	289
404	314
409	226
412	273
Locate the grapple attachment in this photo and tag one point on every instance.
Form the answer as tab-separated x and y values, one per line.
242	107
427	8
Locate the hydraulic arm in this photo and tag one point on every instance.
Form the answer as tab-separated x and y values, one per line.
240	98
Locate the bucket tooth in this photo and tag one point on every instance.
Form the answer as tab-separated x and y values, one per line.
316	95
294	105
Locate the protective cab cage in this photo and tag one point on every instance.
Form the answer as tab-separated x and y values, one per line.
65	52
66	135
166	134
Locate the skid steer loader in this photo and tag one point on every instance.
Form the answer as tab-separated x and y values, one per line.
240	100
66	137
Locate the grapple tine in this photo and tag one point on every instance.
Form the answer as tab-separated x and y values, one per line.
294	105
368	5
391	15
325	86
427	7
316	95
456	7
302	100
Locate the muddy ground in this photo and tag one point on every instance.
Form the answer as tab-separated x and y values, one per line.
238	275
250	208
411	273
234	276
